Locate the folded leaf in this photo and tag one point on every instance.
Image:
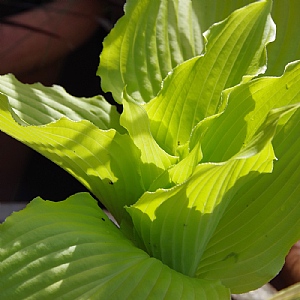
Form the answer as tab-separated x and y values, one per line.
70	250
180	172
261	223
147	43
286	47
89	154
154	160
176	224
36	104
201	152
235	48
248	106
285	15
188	214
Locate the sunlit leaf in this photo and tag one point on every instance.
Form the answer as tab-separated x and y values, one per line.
148	42
193	91
91	155
72	250
248	106
189	214
154	160
200	170
36	104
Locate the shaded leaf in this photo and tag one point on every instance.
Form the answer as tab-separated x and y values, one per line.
283	50
286	47
187	215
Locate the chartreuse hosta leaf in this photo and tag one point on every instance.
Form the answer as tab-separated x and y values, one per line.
285	15
163	218
253	101
286	47
267	221
201	200
154	159
36	104
176	224
167	33
88	153
149	41
190	160
249	247
192	92
71	250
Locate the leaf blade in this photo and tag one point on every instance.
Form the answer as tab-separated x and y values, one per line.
73	250
253	101
36	104
193	91
176	224
88	153
154	160
274	216
147	43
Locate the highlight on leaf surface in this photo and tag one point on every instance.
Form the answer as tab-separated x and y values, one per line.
200	170
72	250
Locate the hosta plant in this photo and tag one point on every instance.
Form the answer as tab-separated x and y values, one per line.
200	170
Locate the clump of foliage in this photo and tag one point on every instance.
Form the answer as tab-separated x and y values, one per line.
200	170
